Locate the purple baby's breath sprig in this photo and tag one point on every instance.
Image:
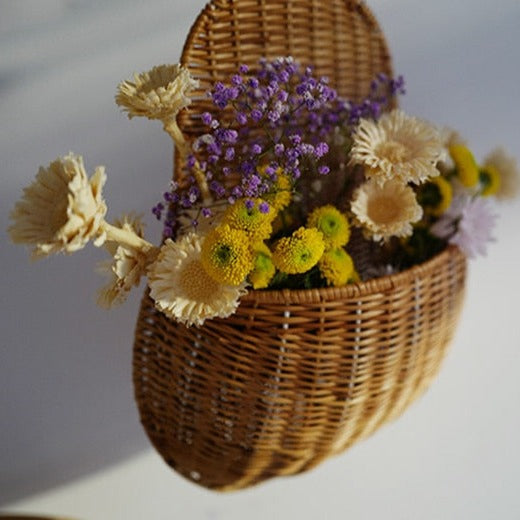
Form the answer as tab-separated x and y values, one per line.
383	90
271	113
277	118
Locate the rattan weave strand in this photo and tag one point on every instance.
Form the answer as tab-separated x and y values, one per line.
294	376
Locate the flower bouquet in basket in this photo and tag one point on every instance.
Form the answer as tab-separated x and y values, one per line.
311	271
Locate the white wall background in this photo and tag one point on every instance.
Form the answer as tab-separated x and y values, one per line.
66	400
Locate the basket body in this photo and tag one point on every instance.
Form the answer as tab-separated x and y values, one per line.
294	376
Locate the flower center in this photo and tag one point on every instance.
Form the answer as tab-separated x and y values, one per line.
196	284
223	255
330	226
383	210
305	255
394	151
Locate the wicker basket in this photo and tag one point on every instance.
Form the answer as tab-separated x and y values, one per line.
294	376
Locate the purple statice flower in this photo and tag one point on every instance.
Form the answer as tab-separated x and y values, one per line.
241	118
323	169
256	149
157	210
382	91
217	188
191	161
230	154
279	116
237	191
236	80
256	115
171	197
279	149
263	207
468	223
321	149
207	118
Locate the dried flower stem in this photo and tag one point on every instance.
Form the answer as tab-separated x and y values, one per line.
127	238
202	182
172	129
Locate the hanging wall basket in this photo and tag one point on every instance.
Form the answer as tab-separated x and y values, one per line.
293	376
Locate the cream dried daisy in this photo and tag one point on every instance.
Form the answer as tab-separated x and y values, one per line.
61	210
157	94
182	289
507	169
127	266
385	210
397	146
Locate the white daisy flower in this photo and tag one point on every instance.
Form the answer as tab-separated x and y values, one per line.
397	146
385	210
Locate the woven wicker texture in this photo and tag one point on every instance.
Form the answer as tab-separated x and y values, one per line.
294	376
340	39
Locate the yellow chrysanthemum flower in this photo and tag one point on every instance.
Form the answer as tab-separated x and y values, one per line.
337	267
282	195
257	224
299	252
436	196
226	255
490	181
264	269
332	223
507	168
465	164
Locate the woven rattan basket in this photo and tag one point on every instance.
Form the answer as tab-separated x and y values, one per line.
294	376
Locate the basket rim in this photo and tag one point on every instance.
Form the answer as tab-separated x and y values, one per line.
354	290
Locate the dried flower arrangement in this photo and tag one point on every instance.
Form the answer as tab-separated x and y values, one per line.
286	186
